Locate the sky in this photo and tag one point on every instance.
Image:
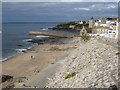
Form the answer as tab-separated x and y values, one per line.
60	0
56	11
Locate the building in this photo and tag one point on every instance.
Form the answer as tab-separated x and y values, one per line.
106	27
91	23
100	30
80	22
72	26
102	20
83	32
97	23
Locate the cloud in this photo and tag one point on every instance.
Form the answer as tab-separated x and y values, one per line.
90	0
85	9
98	7
45	4
103	6
60	1
56	11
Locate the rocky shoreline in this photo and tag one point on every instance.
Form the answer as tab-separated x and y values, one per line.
91	65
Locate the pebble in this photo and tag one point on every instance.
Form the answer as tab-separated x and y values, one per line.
94	63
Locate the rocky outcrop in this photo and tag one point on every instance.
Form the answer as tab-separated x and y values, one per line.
51	34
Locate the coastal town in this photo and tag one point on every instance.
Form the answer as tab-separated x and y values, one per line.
106	27
60	45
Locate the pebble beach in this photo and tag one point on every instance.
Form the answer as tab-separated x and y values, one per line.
95	65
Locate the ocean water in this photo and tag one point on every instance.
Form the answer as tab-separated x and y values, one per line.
16	34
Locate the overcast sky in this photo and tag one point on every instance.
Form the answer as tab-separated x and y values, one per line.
60	0
56	11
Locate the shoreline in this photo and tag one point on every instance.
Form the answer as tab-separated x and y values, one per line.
32	47
23	66
17	54
35	51
58	61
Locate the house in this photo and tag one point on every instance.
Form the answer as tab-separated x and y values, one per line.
81	22
106	27
72	26
102	20
91	23
83	31
100	30
97	23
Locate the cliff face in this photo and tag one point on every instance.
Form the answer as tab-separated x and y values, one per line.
92	64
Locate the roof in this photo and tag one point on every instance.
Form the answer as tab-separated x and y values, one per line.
113	19
83	28
97	27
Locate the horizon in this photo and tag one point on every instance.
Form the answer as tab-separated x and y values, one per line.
53	22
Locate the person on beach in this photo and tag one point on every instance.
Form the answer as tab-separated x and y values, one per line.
31	57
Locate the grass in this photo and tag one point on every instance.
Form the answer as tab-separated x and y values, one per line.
52	63
70	75
118	53
85	38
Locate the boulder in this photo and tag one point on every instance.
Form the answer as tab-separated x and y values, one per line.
5	78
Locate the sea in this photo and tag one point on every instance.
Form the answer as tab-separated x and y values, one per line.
15	36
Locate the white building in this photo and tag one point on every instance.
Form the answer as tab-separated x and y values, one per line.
72	26
81	22
104	25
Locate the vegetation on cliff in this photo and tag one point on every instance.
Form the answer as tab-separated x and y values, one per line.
85	38
75	24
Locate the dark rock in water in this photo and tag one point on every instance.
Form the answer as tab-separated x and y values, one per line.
6	78
51	37
23	51
37	40
20	45
50	28
113	87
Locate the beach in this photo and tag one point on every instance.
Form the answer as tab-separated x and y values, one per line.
42	56
35	60
50	63
60	45
91	65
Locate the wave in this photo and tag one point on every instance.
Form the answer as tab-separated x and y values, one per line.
21	50
2	60
0	32
44	29
7	58
41	36
26	40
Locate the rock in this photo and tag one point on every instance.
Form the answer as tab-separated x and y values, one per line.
5	78
113	87
92	61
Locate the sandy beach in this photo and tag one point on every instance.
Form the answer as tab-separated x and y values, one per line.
23	65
